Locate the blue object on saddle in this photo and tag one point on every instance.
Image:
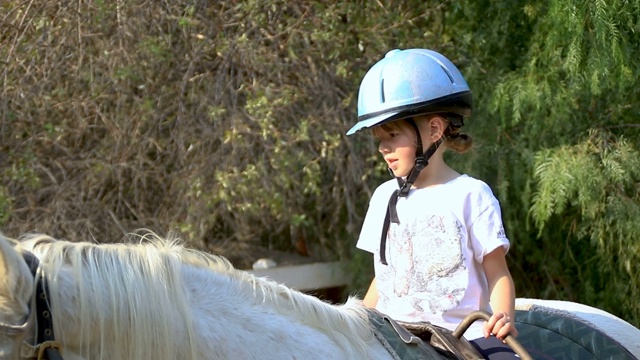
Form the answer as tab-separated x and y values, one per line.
552	336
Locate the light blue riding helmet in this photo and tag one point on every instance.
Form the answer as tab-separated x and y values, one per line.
408	83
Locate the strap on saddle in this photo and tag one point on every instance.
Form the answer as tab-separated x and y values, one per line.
404	334
442	339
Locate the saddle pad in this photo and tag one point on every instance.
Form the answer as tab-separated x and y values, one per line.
552	336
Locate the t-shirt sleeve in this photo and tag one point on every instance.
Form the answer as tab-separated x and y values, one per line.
371	231
487	230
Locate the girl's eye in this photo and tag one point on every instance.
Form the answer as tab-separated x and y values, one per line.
387	135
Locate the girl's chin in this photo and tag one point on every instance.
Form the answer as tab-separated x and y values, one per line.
399	173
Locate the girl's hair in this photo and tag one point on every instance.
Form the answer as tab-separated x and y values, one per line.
456	141
398	125
453	139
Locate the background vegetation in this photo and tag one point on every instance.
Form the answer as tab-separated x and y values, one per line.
224	121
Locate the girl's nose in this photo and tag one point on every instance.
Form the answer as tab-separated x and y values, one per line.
382	148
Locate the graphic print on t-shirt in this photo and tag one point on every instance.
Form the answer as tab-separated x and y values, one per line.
426	264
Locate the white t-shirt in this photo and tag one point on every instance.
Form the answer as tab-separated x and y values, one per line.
435	254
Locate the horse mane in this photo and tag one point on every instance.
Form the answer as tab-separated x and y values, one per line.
115	283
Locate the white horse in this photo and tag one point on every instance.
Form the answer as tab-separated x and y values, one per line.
158	300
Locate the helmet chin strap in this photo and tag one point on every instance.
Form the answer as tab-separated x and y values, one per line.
421	162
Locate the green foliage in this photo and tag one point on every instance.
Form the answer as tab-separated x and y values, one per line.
5	205
596	183
557	123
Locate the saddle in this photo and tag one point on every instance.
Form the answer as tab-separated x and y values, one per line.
435	341
441	339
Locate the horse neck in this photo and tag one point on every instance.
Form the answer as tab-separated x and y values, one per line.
152	305
108	310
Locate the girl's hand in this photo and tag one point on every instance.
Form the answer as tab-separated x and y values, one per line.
500	325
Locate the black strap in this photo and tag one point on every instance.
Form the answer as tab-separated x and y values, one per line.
44	320
391	215
403	191
421	162
32	262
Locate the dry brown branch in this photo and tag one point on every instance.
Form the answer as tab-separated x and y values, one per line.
221	120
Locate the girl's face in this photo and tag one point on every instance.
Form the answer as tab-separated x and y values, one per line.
397	146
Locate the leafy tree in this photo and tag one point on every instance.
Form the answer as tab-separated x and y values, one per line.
558	117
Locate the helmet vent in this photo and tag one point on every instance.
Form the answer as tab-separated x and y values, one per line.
382	91
446	71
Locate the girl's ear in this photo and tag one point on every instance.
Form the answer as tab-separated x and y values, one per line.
437	126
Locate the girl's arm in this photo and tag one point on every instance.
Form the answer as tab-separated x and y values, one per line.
502	295
371	298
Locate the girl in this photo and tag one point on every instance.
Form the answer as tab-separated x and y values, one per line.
437	236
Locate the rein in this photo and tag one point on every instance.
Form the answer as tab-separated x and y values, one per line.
45	348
